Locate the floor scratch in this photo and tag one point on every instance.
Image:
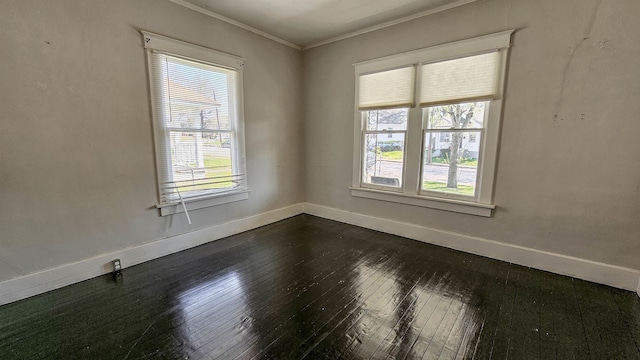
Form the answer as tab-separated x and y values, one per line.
140	338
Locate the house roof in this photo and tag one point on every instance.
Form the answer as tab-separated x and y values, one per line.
183	94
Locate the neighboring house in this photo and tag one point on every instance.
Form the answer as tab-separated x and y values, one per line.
470	144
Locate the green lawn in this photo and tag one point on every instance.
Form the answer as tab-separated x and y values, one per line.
217	162
392	155
218	166
442	187
215	167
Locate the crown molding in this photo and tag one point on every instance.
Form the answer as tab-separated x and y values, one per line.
388	23
235	23
323	42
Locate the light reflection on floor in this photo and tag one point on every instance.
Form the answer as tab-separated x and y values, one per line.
228	317
395	312
408	319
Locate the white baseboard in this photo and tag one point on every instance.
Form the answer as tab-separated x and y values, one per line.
616	276
36	283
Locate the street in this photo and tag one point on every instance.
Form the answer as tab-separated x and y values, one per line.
431	172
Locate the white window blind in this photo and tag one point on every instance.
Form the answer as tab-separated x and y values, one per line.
386	89
196	122
458	80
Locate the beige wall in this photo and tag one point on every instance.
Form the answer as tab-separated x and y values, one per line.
77	176
568	178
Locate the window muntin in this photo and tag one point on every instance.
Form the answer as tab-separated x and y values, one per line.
197	113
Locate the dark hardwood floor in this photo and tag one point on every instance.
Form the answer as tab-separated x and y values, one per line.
312	288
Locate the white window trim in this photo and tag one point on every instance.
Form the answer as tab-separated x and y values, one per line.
425	201
410	193
203	202
154	42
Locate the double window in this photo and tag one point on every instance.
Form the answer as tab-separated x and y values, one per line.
198	123
427	125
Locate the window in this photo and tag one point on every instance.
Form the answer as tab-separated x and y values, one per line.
427	125
383	155
198	123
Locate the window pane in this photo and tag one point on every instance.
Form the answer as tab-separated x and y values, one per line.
201	161
451	166
393	119
383	160
196	95
456	116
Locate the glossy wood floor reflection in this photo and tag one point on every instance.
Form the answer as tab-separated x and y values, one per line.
312	288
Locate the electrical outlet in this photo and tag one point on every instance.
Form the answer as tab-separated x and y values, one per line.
117	267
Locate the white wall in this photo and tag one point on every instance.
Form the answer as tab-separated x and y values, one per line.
568	178
77	176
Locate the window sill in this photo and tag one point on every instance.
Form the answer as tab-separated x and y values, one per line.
203	202
458	206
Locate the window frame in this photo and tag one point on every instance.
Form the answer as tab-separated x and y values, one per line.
411	192
154	43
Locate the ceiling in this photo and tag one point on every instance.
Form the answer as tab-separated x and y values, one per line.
309	23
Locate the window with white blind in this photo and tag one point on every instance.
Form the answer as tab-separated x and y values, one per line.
196	96
427	125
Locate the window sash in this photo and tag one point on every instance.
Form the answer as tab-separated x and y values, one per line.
477	182
386	130
439	131
364	160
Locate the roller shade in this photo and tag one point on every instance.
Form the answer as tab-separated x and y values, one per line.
386	89
464	79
